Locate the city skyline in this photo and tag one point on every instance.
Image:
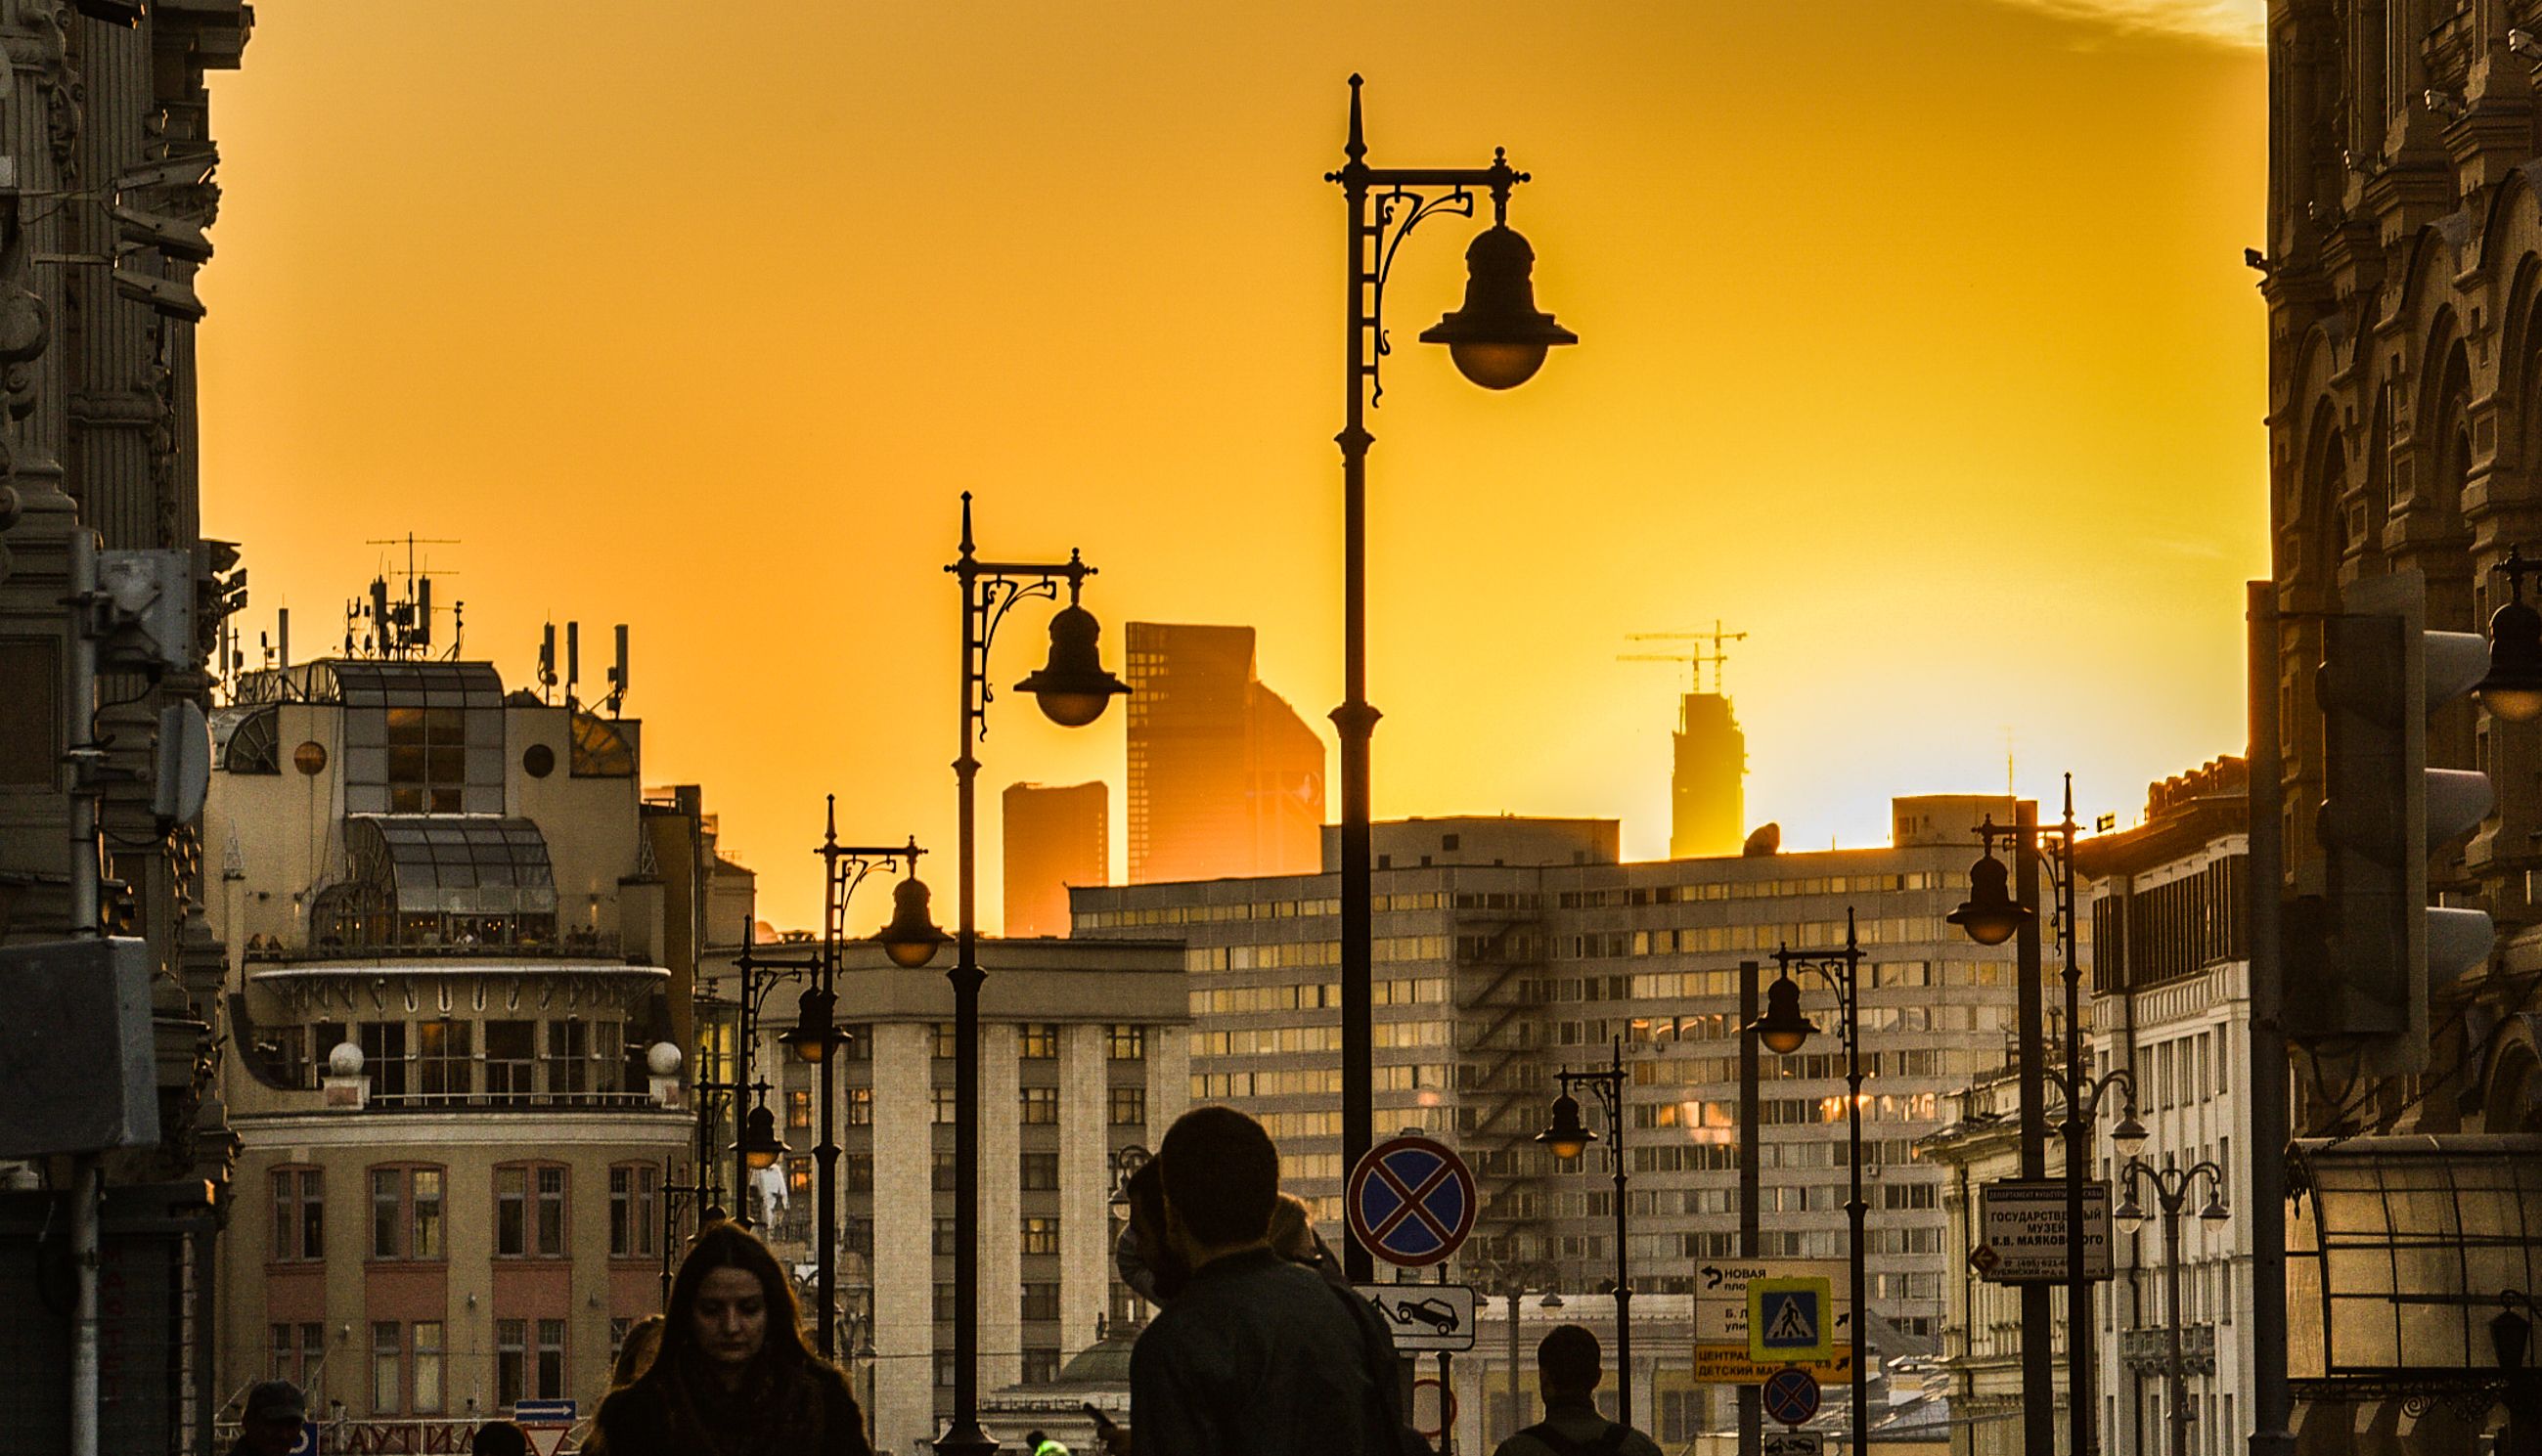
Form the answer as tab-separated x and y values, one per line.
1725	201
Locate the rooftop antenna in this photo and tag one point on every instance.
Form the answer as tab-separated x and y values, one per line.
617	674
2007	760
546	664
404	628
1697	658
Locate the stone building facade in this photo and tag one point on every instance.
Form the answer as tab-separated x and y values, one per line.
108	107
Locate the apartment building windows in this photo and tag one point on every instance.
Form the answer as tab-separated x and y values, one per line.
1041	1234
529	1210
1125	1042
1126	1107
427	1356
388	1367
299	1215
406	1213
1037	1040
1040	1107
635	1210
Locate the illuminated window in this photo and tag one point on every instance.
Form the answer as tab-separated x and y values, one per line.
1041	1234
1037	1040
1040	1106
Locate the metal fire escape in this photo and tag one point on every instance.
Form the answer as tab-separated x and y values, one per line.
1499	1079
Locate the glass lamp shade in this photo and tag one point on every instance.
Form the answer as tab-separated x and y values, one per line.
2128	1135
2130	1215
1783	1030
1073	688
2513	690
1567	1137
815	1033
910	939
1499	338
760	1146
2215	1212
1991	915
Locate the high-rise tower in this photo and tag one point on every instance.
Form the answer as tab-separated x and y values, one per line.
1707	791
1055	837
1707	798
1224	778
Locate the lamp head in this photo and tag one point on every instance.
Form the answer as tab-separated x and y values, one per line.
760	1146
1498	338
1073	688
2129	1214
2128	1135
910	939
2215	1212
2508	1333
2513	690
815	1034
1567	1137
1990	914
1783	1029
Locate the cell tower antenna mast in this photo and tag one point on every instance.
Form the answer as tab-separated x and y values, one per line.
1697	658
401	628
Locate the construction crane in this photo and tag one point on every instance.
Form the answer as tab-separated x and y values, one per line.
1697	658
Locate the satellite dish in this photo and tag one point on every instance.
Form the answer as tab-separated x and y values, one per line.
184	762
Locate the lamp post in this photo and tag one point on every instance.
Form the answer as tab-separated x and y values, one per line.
1498	341
1568	1138
2171	1187
1784	1030
910	940
1991	915
1072	690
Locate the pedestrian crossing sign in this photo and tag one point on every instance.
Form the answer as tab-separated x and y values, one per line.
1790	1319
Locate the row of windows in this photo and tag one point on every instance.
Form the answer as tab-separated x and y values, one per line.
1699	1072
1035	1041
1219	1086
1271	1041
408	1217
1039	1107
1269	909
1719	1118
1315	996
410	1362
444	1060
1385	950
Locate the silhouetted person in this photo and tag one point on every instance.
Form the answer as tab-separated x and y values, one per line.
1567	1372
500	1439
1146	1259
271	1423
1257	1355
1293	1238
635	1356
734	1376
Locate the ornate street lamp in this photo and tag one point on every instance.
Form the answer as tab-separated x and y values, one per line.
1073	688
2171	1187
1783	1030
1567	1138
816	1037
1498	339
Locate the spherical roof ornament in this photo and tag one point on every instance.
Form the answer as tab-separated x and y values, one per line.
346	1060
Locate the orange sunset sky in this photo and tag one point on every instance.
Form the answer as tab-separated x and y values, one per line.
1916	344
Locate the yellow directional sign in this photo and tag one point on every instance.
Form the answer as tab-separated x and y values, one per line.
1731	1364
1791	1320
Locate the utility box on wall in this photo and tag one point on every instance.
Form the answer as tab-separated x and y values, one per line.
76	1071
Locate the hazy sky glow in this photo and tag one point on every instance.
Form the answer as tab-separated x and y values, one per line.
1916	344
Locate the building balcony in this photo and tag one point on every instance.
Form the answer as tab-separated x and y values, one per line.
2148	1351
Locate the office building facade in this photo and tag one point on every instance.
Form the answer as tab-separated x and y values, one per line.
1055	837
1509	949
1224	778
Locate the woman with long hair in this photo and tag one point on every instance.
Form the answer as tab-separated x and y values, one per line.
734	1376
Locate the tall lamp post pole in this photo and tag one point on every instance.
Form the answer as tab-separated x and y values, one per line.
1783	1030
910	940
2171	1187
1498	341
1073	691
1568	1138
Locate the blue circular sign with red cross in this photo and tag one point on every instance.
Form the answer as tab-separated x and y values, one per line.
1411	1202
1791	1396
